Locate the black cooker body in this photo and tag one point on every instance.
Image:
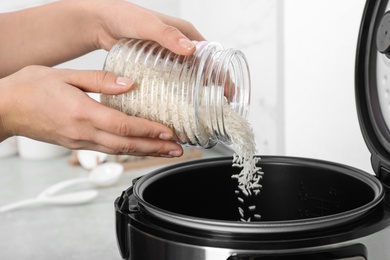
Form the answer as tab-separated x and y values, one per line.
311	209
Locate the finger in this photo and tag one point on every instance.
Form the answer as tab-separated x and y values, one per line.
114	132
98	81
118	123
111	144
187	28
171	38
166	31
138	145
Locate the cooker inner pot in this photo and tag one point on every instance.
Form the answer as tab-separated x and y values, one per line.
291	191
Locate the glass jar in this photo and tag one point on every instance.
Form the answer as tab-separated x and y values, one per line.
192	94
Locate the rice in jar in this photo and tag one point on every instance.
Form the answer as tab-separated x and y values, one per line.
190	94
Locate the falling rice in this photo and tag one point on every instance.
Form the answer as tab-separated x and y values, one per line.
257	216
243	142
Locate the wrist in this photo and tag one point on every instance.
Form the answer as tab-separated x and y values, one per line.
3	133
87	20
100	23
4	110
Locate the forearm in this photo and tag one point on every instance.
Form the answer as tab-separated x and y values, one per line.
45	35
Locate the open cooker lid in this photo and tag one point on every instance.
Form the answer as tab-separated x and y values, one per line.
372	84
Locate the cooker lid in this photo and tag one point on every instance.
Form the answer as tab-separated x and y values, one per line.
372	84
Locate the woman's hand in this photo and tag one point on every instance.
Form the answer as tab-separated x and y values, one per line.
132	21
60	31
50	105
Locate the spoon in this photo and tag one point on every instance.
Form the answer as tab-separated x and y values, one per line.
103	175
62	199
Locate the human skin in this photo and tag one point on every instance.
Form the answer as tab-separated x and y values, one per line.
51	105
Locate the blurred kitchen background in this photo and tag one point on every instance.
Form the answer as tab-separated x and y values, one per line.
302	57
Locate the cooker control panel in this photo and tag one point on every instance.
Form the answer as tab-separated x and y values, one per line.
383	35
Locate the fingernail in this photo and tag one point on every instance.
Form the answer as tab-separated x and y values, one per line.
166	136
175	153
166	156
186	44
122	81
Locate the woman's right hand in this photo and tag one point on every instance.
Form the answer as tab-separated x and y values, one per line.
51	105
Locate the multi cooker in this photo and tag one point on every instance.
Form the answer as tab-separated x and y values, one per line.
310	209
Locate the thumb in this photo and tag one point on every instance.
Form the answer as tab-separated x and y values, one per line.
170	37
97	81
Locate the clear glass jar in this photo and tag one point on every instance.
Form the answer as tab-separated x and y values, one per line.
190	94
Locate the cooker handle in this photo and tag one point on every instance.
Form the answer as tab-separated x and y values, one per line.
124	205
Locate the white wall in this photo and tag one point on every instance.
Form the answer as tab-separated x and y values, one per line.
320	45
302	59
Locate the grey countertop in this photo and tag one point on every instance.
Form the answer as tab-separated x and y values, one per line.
79	232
